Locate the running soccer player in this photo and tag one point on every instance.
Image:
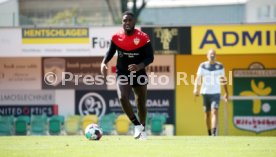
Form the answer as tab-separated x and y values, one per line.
212	73
134	54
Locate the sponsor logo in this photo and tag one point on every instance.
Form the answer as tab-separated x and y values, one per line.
136	41
241	39
55	35
101	43
18	110
255	114
158	102
166	35
92	103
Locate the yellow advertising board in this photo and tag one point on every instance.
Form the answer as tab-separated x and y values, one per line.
189	110
55	35
234	39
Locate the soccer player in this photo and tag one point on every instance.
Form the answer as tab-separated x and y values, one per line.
212	74
134	54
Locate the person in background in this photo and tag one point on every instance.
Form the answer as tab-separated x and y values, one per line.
212	74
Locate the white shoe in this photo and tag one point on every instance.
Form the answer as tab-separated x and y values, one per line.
138	129
143	136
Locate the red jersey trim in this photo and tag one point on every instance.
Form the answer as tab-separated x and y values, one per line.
132	42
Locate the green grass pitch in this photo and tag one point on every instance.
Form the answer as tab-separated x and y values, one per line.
126	146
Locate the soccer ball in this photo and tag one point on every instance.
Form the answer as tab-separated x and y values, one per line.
93	132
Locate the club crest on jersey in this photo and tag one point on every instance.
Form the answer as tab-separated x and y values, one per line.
136	41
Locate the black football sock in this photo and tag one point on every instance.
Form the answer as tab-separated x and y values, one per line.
135	121
209	132
214	131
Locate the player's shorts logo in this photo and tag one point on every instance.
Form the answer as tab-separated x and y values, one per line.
92	103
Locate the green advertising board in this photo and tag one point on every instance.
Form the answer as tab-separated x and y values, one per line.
254	108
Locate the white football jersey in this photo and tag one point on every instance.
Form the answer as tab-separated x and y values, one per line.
211	74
